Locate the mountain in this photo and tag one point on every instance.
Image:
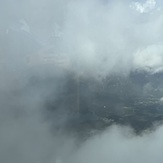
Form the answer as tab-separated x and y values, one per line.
90	104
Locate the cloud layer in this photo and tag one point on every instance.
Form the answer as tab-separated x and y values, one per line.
46	38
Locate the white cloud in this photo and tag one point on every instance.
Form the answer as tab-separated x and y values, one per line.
144	7
119	145
151	56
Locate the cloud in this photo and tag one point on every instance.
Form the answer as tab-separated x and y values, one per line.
104	35
94	36
144	7
119	144
42	42
152	56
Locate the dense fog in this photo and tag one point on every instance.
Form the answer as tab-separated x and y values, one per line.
69	70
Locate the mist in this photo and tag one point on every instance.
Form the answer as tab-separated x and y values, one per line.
46	47
118	144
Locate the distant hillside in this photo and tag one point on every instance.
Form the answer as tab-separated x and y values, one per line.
85	103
